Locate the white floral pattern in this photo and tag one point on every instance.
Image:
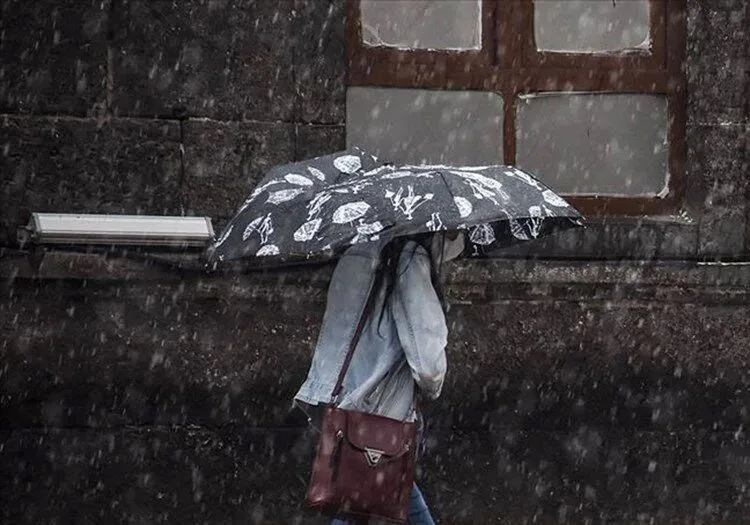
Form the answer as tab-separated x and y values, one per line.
277	197
317	203
555	200
308	230
518	231
464	206
347	163
536	219
262	225
257	191
525	177
370	228
482	234
404	174
484	186
367	231
350	212
299	180
435	223
408	203
315	172
267	250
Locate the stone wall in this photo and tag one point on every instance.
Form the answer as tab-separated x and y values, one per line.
133	106
719	123
137	393
120	106
609	388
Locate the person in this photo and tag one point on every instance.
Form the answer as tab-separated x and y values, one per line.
403	340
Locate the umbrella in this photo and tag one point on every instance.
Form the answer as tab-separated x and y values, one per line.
319	207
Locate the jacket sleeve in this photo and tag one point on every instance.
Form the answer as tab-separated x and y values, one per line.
420	321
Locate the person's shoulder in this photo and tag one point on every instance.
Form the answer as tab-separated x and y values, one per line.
413	247
370	249
413	253
366	254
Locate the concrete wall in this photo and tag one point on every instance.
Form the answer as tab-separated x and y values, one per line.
149	392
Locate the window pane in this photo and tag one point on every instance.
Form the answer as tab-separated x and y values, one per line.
422	24
420	125
595	144
589	26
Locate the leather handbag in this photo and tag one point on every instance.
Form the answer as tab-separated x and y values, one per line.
364	465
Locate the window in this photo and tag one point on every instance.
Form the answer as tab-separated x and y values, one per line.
588	94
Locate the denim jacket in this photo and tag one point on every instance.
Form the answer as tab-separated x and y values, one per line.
402	343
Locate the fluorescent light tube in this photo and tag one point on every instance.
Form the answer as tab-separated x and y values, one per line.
131	230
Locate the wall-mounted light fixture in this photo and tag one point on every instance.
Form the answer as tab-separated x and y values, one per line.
116	230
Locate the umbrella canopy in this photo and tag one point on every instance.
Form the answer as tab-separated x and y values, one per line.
323	205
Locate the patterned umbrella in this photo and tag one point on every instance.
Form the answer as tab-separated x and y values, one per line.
319	207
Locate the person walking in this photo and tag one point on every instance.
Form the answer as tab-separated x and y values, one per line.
400	355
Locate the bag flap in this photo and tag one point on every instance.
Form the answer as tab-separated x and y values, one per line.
383	434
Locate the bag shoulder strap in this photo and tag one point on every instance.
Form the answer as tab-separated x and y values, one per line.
357	334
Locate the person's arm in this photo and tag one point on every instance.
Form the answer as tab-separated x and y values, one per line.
420	321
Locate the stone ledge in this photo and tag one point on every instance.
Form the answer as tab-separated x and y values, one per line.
60	264
20	265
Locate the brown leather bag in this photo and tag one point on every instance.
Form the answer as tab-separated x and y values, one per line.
364	465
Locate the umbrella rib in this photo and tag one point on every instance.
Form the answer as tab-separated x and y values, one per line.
440	172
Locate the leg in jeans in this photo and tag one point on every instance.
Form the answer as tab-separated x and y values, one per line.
339	521
419	514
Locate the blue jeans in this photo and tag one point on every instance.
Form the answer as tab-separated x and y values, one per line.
419	514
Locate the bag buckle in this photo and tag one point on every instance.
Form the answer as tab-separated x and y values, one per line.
373	456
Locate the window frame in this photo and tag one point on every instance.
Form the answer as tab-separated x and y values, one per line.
509	63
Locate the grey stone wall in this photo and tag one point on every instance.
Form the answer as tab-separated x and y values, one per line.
142	392
576	393
121	106
235	86
719	122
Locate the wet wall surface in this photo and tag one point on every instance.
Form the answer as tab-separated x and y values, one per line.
132	106
582	392
571	397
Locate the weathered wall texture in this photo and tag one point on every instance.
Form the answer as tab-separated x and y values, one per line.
579	392
178	107
576	391
719	122
161	107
